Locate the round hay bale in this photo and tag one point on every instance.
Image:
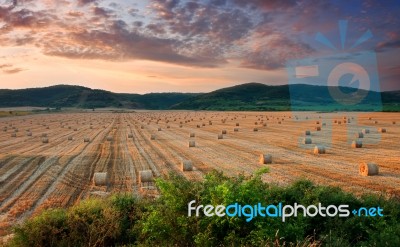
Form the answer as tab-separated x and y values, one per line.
255	129
265	125
319	149
45	140
356	144
100	179
198	126
360	135
365	131
152	137
159	129
109	138
223	132
220	136
265	159
307	140
317	122
237	124
168	126
236	130
192	144
307	132
186	165
86	139
130	135
318	128
180	126
192	135
145	176
70	138
382	130
368	169
393	122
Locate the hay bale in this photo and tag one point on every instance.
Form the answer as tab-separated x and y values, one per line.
360	135
319	149
307	132
180	126
265	125
318	128
100	178
192	144
393	122
265	159
365	131
237	124
159	129
220	136
255	129
356	144
45	140
152	137
186	165
130	135
223	132
192	135
307	140
382	130
86	139
236	130
70	138
145	176
368	169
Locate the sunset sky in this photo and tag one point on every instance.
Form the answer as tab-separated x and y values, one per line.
184	46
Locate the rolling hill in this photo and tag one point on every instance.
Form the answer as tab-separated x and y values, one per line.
249	96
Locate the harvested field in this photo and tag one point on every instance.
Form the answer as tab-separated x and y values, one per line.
55	164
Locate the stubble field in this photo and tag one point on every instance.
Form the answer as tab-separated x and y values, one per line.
37	174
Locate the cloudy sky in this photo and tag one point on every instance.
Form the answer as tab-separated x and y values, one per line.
184	46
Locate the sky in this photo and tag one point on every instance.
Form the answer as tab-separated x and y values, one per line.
147	46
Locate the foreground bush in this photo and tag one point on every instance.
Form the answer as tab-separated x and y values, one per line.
124	220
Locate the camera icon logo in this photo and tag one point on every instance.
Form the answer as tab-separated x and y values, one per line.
348	81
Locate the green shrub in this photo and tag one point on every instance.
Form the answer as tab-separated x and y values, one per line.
124	220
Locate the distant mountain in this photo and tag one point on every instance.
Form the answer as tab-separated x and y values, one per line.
82	97
249	96
257	96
